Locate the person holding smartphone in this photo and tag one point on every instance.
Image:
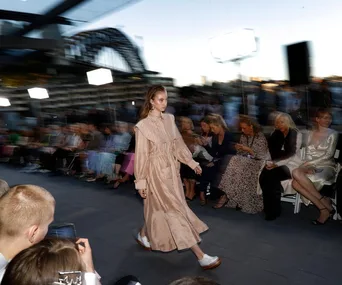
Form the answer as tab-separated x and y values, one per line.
169	222
37	264
239	181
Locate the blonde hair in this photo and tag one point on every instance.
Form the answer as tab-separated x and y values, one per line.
23	206
288	120
3	187
187	120
43	262
217	120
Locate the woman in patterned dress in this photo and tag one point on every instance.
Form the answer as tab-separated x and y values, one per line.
240	179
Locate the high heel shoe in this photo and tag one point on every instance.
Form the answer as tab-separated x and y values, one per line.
190	199
221	204
331	214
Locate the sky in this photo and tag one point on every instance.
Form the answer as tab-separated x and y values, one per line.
176	33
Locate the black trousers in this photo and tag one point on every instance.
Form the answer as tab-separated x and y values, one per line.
212	176
270	182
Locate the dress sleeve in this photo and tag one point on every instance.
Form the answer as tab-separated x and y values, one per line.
260	148
330	152
181	151
141	160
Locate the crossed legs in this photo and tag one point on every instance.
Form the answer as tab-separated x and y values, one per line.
302	184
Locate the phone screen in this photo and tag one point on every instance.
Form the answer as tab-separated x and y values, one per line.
62	230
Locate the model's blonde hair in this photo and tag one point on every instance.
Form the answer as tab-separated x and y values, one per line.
24	206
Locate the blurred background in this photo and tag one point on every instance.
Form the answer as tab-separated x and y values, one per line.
219	57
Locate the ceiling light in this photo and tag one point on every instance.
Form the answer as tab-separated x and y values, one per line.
38	93
100	76
4	102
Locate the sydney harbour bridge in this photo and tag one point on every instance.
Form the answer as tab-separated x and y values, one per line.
39	49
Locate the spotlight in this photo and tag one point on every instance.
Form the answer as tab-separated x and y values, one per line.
38	93
100	76
4	102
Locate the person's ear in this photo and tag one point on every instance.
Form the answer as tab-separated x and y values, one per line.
32	234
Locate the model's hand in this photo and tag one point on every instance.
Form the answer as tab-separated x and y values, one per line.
198	170
143	193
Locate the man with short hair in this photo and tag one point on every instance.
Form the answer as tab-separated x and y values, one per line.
26	212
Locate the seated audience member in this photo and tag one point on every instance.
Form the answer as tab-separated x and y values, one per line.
3	187
127	168
283	144
221	146
106	156
72	143
317	166
192	141
85	163
96	141
25	214
52	261
206	134
122	141
241	177
194	281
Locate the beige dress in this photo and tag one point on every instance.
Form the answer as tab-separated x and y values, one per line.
169	222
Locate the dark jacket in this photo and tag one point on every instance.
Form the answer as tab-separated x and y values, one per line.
226	148
281	147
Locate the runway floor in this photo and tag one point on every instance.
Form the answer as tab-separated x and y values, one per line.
287	251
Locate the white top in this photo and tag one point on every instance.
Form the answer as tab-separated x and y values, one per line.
3	264
200	150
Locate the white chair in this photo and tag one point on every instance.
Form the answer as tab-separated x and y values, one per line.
295	200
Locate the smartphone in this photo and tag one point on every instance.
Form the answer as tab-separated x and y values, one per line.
62	230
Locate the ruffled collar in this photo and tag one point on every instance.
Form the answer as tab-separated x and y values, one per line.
156	118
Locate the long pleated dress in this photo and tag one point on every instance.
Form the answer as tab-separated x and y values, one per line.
169	222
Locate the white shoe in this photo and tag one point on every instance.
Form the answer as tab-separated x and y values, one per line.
143	241
209	262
